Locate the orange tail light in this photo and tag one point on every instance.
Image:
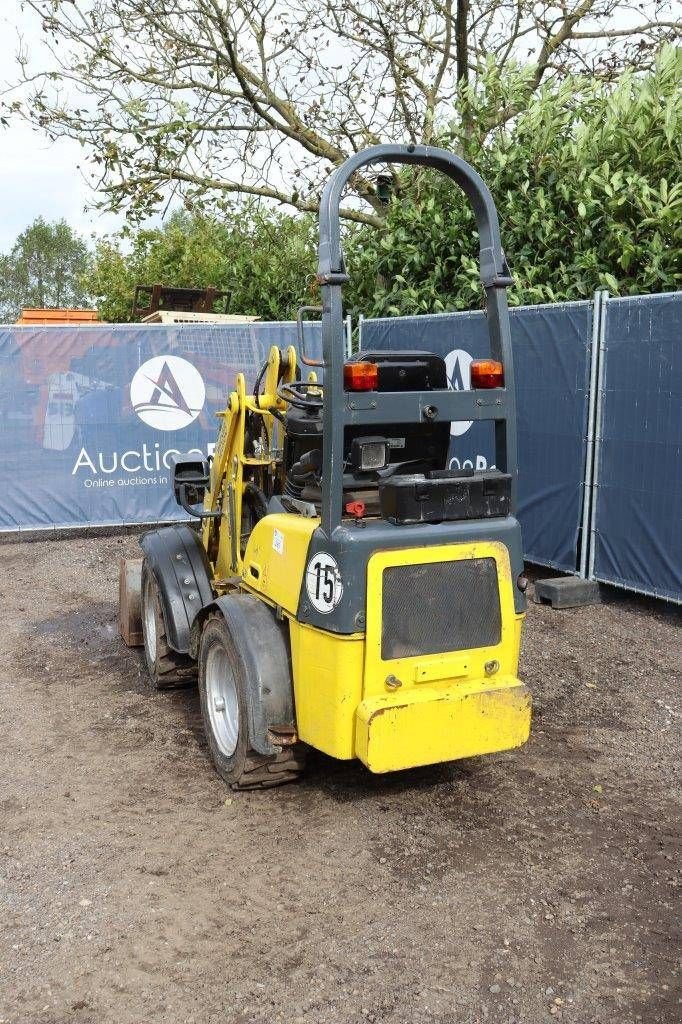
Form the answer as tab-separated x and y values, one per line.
487	373
360	376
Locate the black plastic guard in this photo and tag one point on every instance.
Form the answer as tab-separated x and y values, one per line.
445	497
262	647
178	560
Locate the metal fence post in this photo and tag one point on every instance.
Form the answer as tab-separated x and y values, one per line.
594	483
599	297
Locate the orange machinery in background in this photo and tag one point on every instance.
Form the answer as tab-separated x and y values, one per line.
39	317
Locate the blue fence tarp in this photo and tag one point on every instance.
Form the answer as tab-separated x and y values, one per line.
91	415
637	522
551	346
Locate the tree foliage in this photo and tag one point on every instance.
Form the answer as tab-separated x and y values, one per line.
44	269
586	181
265	260
205	99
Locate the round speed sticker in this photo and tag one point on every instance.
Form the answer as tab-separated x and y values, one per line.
323	582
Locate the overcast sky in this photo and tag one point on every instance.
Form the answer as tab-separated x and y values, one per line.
37	178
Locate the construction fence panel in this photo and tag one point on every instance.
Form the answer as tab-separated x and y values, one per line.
90	416
552	346
637	492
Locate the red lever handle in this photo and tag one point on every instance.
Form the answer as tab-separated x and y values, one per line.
355	508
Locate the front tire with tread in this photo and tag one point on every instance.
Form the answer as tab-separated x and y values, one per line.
167	669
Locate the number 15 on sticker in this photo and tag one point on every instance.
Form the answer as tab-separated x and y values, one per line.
323	582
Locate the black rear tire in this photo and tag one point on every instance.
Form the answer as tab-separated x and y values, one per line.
222	691
167	669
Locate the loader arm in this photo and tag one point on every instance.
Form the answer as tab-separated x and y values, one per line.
234	469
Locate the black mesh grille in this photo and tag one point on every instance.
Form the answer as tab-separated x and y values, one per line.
438	607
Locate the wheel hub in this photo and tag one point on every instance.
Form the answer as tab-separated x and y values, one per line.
221	700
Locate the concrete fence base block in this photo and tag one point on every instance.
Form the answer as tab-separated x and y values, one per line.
567	592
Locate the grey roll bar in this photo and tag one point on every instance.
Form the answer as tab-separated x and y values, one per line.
494	269
499	404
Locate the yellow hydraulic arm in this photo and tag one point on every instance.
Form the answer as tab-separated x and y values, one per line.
232	470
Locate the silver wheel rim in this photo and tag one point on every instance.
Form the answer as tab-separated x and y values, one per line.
149	621
221	700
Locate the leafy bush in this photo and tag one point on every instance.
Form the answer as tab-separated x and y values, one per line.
265	260
586	185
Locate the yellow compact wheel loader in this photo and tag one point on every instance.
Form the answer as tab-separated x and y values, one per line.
348	591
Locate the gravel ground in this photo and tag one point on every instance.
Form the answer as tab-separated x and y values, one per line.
524	887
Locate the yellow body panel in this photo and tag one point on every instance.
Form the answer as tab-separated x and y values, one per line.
443	668
428	725
275	558
327	670
445	707
440	707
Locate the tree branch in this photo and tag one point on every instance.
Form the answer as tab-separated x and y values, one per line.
263	98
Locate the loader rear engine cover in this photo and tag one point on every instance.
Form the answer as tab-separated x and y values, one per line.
347	591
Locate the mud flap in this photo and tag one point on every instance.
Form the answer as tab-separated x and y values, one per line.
177	558
263	650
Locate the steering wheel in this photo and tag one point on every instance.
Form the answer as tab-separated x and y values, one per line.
300	394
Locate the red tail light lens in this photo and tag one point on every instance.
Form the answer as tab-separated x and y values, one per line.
487	373
360	376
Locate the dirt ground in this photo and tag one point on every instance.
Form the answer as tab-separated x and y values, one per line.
522	887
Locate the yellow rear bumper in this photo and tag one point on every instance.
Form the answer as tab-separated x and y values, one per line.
432	724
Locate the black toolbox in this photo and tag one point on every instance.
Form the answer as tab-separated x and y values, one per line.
444	495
